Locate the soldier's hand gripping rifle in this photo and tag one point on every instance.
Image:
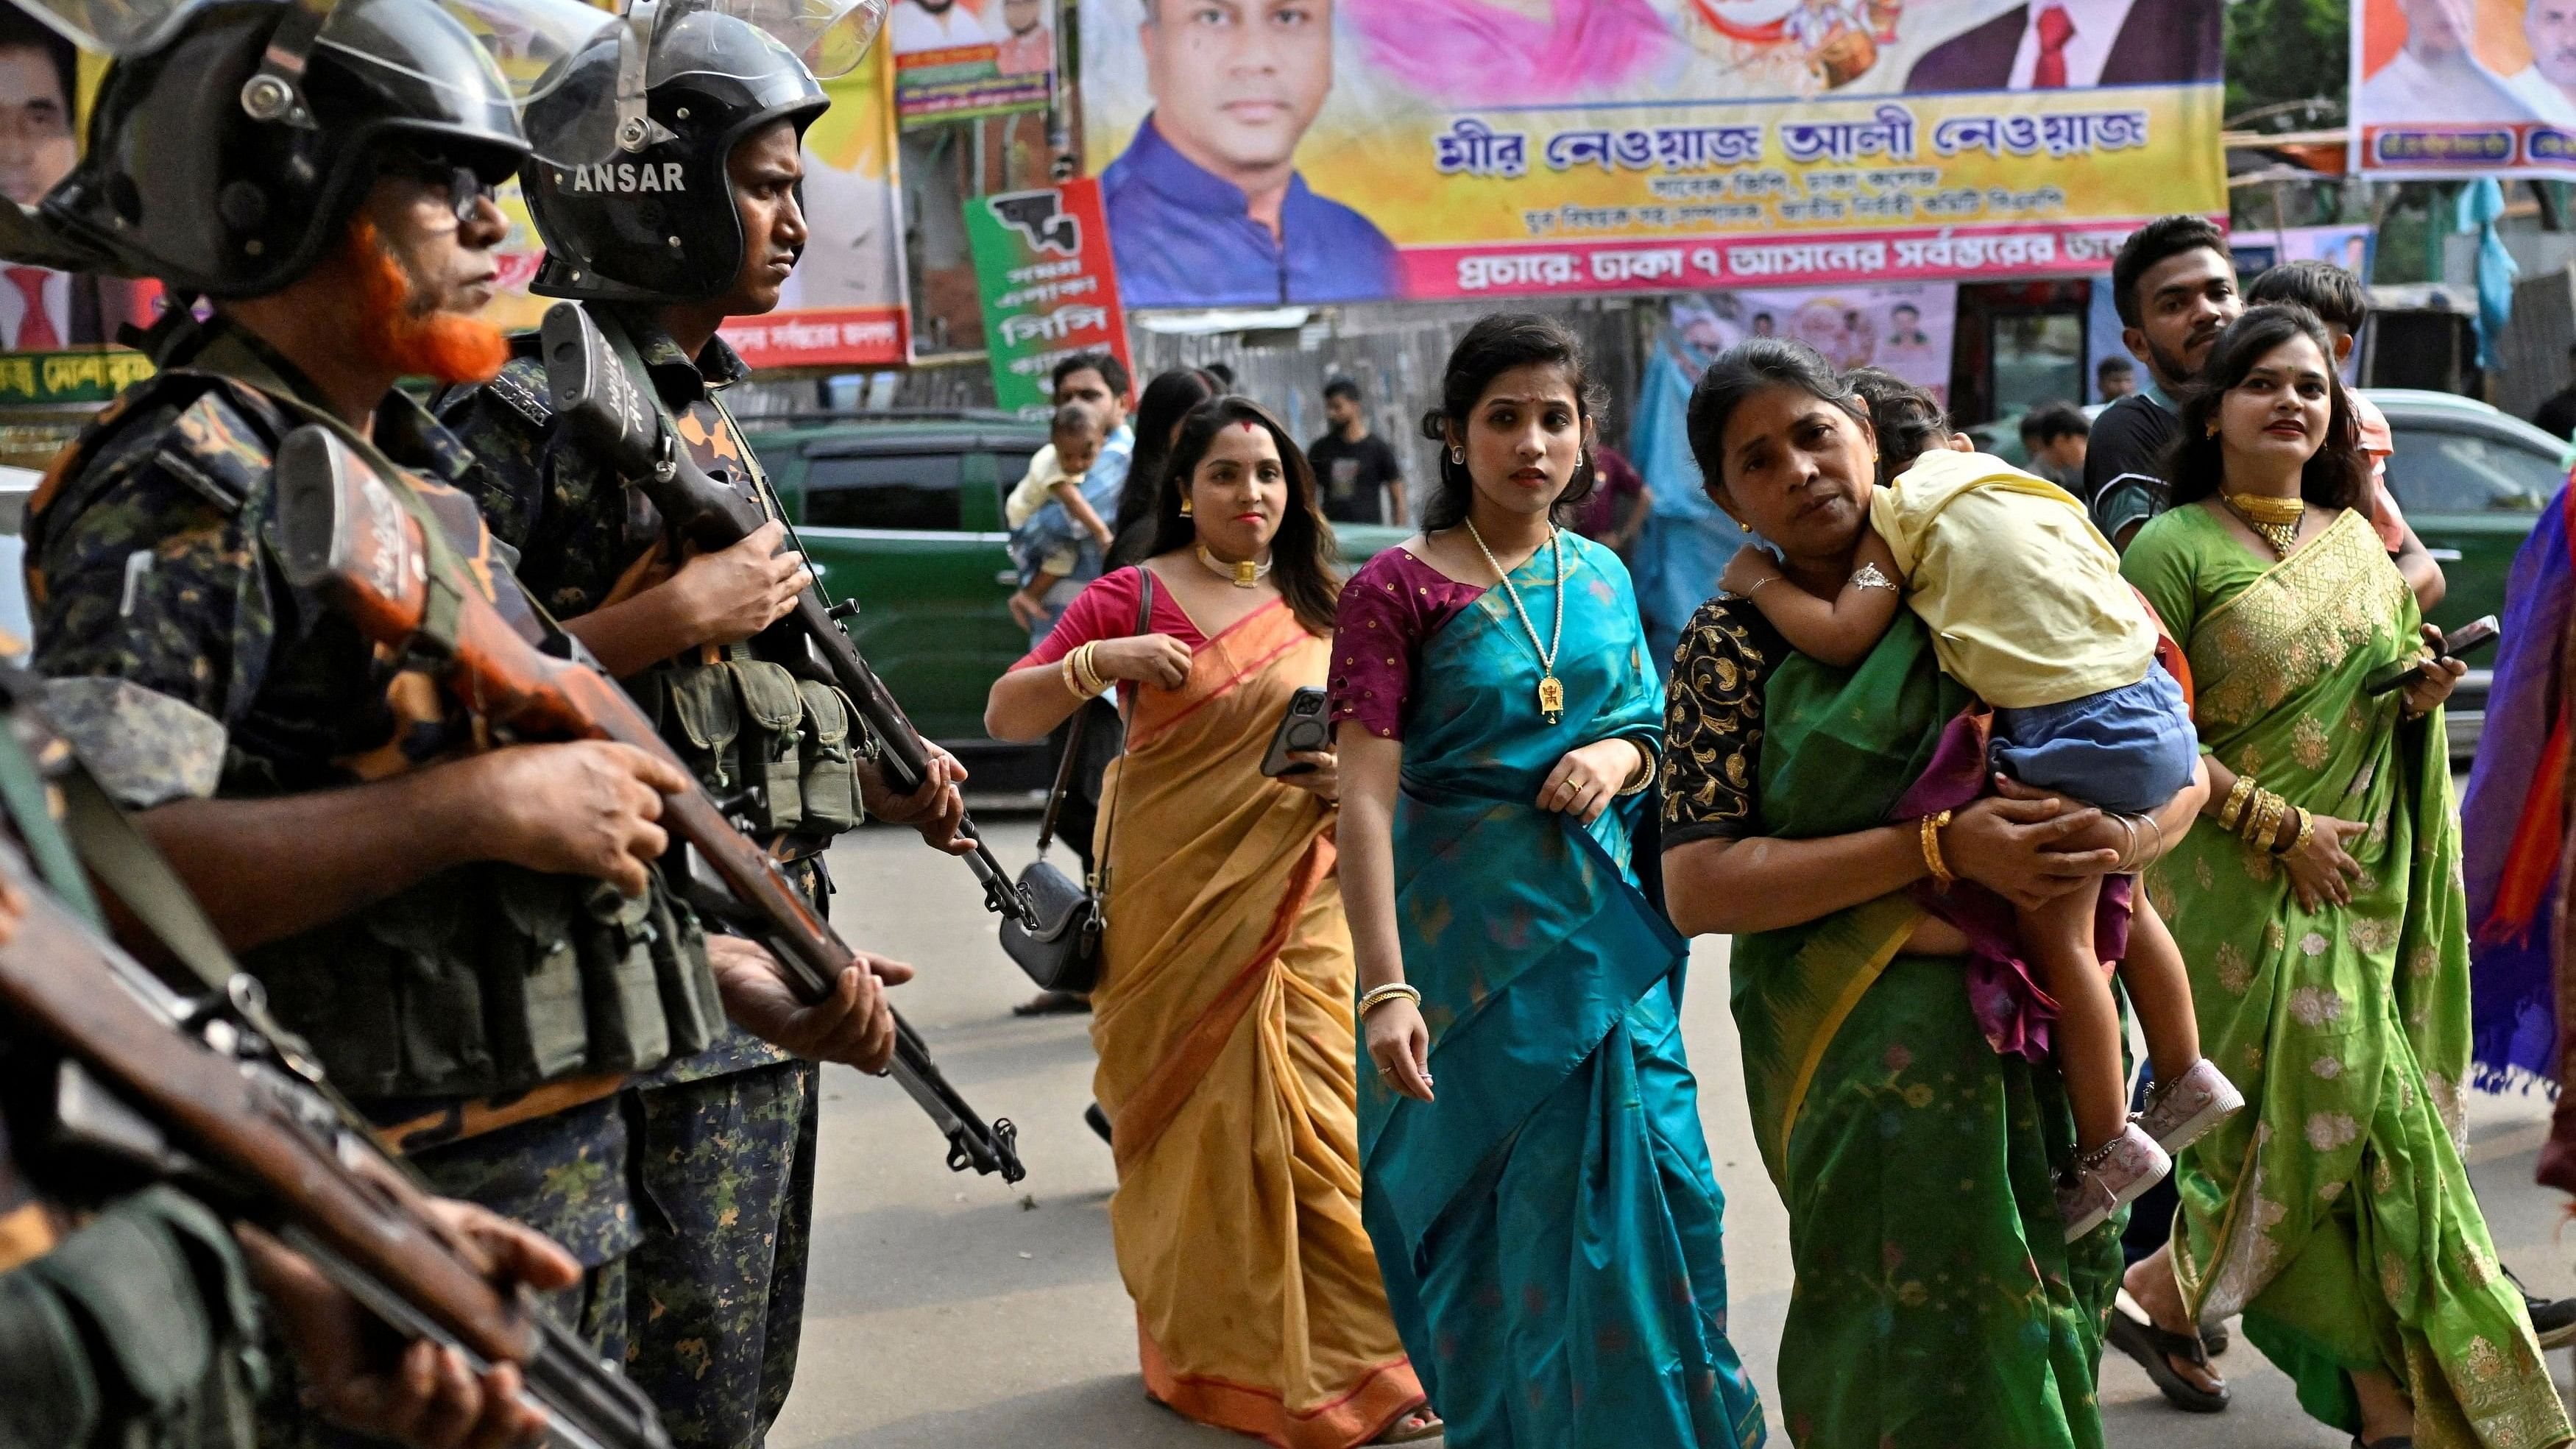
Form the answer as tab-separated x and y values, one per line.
206	1090
590	390
340	530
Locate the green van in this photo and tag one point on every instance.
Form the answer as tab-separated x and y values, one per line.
903	515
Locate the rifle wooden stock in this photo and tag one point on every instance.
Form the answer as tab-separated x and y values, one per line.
280	1155
341	531
591	390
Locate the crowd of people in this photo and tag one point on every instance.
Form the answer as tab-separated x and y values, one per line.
1390	1055
1951	742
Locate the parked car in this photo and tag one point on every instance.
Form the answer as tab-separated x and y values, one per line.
903	515
2472	480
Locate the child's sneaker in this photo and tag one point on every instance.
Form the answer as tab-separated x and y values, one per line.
2180	1112
2109	1178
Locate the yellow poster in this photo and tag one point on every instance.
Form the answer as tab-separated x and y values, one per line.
1258	152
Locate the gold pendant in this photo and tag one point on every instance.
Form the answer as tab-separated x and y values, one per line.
1246	573
1551	699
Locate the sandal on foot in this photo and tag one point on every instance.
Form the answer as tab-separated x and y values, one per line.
1412	1426
2152	1347
2214	1338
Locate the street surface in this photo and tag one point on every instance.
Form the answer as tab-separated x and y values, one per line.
947	1310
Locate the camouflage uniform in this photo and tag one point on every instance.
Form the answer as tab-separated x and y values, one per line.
160	613
725	1140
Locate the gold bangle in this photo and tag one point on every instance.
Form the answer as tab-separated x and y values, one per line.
2235	806
2245	823
1376	995
2264	823
1931	832
1645	775
1086	673
1072	681
2299	842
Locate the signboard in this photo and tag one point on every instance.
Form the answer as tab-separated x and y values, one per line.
1042	265
1481	148
1904	328
93	376
959	58
2464	87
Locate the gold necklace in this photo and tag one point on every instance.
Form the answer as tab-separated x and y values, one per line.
1242	573
1551	692
2276	519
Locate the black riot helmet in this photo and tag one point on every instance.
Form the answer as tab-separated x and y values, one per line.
658	223
187	180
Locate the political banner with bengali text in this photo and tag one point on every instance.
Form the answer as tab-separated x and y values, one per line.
1042	265
2463	88
956	59
1267	152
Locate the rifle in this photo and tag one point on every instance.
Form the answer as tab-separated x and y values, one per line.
208	1089
608	413
340	530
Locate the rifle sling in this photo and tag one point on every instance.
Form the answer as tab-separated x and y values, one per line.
228	356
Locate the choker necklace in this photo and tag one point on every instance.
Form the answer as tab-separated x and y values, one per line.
1551	690
1242	574
2276	519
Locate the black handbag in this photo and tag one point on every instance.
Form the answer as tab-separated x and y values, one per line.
1062	951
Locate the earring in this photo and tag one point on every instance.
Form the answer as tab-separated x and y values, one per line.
2213	430
1185	505
1457	455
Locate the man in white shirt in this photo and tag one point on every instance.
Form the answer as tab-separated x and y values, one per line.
2547	86
921	25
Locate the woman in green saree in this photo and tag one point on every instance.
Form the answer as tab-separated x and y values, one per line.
2319	904
1937	1301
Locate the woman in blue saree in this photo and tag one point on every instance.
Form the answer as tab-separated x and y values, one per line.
1547	1221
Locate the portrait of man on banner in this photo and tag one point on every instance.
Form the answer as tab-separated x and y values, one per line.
1206	207
2075	44
2446	64
42	310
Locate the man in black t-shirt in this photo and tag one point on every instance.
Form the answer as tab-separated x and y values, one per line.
2175	288
1355	470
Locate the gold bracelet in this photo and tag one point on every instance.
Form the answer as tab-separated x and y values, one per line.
2307	832
2250	828
1390	991
1931	828
2235	806
2266	819
1072	681
1645	775
1086	673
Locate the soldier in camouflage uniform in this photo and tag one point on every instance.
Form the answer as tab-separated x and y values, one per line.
477	938
725	1139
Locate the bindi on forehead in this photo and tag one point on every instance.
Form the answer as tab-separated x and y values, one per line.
1249	426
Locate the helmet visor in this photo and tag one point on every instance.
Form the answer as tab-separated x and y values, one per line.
523	39
829	36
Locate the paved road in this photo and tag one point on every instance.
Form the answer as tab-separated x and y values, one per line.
950	1311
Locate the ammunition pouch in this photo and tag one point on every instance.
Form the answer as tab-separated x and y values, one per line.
489	979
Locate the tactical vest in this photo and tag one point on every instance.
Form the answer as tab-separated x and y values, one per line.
483	980
781	746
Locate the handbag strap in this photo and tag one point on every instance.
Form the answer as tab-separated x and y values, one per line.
1082	721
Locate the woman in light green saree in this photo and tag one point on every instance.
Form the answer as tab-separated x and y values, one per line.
2318	902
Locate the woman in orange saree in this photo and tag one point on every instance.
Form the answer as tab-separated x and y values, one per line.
1223	1015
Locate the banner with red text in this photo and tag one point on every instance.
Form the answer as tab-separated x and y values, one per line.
1478	148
